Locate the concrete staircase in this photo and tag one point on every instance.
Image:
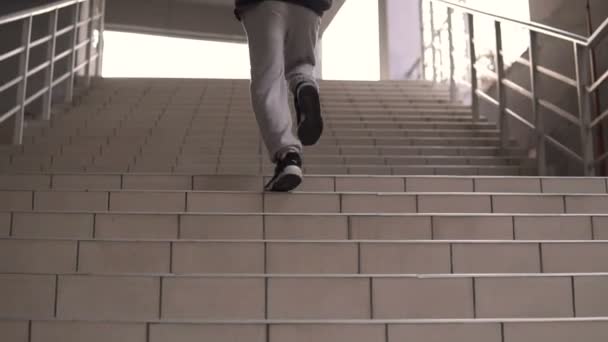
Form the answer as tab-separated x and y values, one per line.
138	216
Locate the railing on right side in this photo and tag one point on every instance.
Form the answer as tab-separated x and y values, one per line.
83	25
444	70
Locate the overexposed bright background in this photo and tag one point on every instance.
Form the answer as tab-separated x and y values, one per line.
351	44
140	55
350	51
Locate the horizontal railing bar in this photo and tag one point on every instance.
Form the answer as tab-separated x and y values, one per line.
543	103
556	75
84	22
599	119
61	79
599	33
83	64
11	53
80	66
82	44
517	88
561	112
64	31
548	72
40	41
36	95
565	149
10	113
63	55
37	11
532	26
598	83
487	97
38	68
520	118
11	83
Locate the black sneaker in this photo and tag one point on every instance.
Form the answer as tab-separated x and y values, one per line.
308	111
287	174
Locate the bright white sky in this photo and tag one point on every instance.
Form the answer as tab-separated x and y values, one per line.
350	51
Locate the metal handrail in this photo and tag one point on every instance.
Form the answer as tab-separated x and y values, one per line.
92	21
35	11
583	83
530	25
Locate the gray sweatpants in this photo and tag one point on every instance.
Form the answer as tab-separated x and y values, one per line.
282	39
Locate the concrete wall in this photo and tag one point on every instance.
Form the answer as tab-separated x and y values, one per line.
400	37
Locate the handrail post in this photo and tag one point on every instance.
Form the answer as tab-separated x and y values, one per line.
50	57
433	50
422	45
100	43
69	94
472	66
582	62
89	53
24	61
451	51
541	150
503	124
440	59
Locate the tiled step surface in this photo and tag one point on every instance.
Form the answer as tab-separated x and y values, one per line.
340	183
168	124
144	220
274	331
243	297
300	257
301	202
155	226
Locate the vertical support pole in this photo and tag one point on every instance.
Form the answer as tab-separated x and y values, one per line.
433	50
583	80
451	52
541	150
472	66
100	44
50	57
422	46
89	53
69	93
600	138
440	59
24	61
500	73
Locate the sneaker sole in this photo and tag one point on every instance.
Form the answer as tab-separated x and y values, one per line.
288	181
311	128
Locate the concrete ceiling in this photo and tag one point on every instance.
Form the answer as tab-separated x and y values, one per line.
197	19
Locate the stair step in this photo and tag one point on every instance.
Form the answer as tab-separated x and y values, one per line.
303	202
490	330
329	183
21	256
320	297
173	226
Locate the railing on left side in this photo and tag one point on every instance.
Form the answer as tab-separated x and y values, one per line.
85	31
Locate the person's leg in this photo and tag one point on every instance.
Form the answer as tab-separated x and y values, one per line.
300	61
266	27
